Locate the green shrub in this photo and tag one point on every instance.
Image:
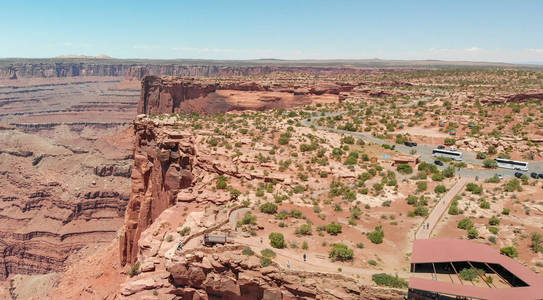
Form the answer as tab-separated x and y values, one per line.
472	233
305	246
474	188
333	228
438	176
506	211
221	183
448	172
465	223
134	270
537	242
404	169
484	204
268	208
304	229
377	235
340	252
277	240
389	280
264	262
247	251
440	189
509	251
297	214
268	253
421	211
512	185
490	163
470	274
422	186
493	230
184	231
494	221
450	141
248	219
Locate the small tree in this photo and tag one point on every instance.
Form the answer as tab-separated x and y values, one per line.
340	252
333	228
440	189
304	229
377	235
268	208
277	240
405	169
469	274
465	223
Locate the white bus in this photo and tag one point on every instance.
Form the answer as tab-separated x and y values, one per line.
512	164
456	155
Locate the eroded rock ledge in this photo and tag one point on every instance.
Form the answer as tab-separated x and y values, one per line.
167	94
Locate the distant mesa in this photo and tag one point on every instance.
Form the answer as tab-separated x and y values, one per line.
101	56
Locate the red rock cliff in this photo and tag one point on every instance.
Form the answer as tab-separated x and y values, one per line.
162	167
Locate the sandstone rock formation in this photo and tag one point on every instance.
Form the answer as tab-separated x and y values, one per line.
166	94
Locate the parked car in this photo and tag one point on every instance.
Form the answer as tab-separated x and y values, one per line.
410	144
518	174
533	175
309	120
540	175
453	149
438	162
500	176
440	147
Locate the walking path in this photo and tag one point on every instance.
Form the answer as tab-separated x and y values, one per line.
316	262
425	230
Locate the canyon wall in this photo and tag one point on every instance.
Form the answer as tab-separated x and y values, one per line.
51	68
169	94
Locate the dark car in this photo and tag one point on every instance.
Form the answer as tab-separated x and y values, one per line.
410	144
440	147
533	175
518	174
309	120
540	175
438	162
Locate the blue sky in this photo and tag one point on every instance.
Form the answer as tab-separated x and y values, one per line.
510	31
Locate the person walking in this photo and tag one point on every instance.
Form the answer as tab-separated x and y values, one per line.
288	264
305	257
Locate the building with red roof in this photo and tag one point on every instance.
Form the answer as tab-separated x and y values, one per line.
437	263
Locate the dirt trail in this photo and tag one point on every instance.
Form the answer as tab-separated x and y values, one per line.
316	262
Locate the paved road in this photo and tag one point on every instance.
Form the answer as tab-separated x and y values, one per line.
425	152
425	230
